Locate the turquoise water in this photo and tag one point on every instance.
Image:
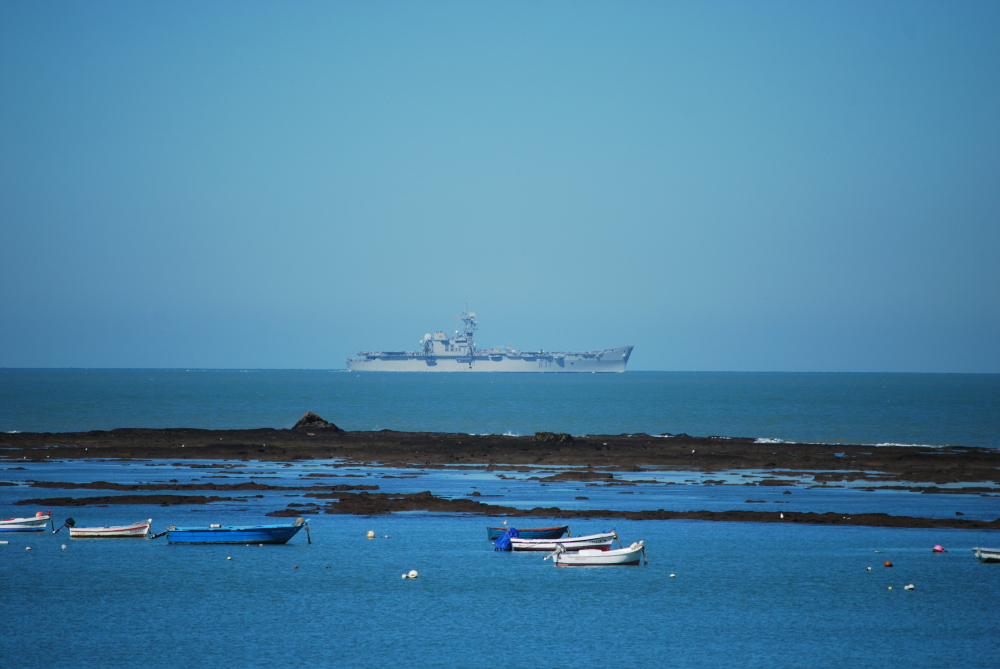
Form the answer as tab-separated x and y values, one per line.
933	409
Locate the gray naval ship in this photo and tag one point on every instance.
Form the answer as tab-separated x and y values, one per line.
441	353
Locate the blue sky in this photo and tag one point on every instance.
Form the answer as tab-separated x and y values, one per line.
727	186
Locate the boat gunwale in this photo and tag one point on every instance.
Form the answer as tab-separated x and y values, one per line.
232	528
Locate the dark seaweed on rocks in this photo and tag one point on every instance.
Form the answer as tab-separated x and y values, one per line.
553	438
382	503
620	453
181	487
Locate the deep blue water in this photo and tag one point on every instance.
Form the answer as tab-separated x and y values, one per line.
744	594
933	409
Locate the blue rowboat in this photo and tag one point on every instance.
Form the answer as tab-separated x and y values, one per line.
248	534
530	533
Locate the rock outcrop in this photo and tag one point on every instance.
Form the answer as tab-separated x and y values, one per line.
311	421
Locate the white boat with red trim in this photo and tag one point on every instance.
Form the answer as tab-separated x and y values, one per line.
595	558
33	524
598	542
137	529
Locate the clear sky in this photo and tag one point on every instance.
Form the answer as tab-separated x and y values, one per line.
727	186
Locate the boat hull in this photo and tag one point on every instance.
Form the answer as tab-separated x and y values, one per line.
493	533
139	530
259	534
600	542
33	524
987	554
591	558
608	360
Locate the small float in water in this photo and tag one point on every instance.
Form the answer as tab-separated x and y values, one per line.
246	534
493	533
597	558
35	523
987	554
138	529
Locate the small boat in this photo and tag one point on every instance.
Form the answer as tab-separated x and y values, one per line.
33	524
136	529
247	534
600	542
493	533
592	558
987	554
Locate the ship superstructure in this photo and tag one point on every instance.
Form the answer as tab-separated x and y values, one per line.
440	352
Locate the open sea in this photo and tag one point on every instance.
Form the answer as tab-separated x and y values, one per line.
931	409
713	593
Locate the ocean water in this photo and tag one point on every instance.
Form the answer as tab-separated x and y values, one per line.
713	594
741	594
931	409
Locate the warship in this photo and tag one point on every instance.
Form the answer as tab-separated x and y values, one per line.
441	353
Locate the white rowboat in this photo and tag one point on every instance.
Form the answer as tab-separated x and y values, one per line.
599	542
591	558
136	529
34	524
987	554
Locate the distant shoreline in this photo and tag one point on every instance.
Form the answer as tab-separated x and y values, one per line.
614	453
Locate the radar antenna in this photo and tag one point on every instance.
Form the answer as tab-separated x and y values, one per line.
470	321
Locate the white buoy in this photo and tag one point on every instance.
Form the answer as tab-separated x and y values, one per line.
869	568
27	548
909	587
413	573
672	575
371	534
63	547
229	557
406	575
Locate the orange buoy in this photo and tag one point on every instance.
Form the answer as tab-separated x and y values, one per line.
887	563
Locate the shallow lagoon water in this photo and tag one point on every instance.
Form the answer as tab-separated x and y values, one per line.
746	593
673	491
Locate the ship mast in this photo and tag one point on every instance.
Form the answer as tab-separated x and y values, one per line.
469	320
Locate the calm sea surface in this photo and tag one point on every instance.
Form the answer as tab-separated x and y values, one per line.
932	409
741	594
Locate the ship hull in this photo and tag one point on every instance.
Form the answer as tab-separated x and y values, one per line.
608	360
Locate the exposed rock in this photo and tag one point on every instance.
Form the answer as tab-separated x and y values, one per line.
311	421
364	503
553	437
